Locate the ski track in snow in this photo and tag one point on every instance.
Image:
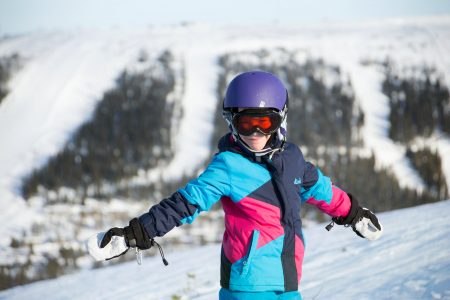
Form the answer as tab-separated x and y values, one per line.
410	261
367	85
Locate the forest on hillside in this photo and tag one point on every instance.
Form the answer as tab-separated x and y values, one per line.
8	65
130	130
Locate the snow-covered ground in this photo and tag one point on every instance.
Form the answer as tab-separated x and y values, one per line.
411	261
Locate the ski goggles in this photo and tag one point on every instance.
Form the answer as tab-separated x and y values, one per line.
249	121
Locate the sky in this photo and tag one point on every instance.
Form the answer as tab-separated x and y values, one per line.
22	16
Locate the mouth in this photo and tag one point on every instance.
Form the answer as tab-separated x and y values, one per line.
253	140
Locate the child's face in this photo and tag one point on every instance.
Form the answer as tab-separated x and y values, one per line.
256	140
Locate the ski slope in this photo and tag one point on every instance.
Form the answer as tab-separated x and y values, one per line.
64	75
411	261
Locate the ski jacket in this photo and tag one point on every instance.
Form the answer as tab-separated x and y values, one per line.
263	246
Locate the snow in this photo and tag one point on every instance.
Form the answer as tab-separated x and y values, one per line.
62	79
64	75
199	106
411	261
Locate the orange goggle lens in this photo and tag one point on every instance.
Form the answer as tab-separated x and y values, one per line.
247	124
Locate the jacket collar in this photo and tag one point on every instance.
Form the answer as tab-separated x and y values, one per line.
229	143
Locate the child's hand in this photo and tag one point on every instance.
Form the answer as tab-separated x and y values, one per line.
366	225
116	246
363	221
116	241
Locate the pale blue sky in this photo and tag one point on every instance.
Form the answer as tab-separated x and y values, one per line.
19	16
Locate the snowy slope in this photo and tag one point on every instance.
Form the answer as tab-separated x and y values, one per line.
65	74
411	261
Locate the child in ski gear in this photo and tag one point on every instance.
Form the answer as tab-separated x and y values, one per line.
261	181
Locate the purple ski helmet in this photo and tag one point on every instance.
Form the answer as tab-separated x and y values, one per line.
256	89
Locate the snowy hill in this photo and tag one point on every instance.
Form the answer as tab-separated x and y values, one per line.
64	74
411	261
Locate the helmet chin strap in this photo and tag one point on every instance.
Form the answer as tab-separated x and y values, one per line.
258	153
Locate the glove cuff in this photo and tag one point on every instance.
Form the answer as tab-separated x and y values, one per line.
136	236
352	213
130	238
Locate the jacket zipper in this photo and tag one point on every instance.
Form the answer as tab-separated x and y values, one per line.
252	248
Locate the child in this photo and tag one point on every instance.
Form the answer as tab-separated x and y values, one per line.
261	180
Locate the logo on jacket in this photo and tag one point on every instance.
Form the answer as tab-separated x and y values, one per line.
297	181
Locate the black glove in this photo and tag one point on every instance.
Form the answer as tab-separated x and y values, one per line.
363	222
134	234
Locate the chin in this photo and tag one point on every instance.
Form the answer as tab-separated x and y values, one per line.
256	147
256	143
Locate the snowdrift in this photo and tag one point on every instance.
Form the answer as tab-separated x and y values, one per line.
411	261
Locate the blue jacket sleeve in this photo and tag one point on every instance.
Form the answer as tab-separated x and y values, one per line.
315	185
185	204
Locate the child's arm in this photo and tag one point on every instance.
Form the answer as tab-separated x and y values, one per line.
344	208
318	190
180	208
184	206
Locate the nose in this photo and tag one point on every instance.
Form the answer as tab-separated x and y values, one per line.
258	132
